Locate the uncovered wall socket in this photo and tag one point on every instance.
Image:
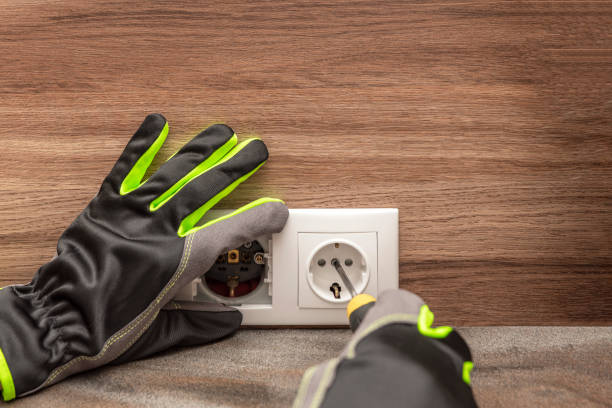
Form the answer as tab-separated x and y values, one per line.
297	284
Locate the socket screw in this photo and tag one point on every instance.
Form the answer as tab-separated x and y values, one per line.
321	262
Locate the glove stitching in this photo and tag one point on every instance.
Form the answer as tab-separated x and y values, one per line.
144	328
128	329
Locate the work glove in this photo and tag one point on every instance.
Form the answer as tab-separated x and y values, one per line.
394	359
106	296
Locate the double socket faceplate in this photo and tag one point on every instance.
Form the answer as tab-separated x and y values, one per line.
299	287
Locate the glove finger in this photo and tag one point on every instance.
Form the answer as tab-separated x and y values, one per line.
184	324
262	217
189	204
193	159
129	170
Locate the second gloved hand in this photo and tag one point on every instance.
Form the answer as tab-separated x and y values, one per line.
394	359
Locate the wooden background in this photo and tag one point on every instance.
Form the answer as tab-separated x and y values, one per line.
489	124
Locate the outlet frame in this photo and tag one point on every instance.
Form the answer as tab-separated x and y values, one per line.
285	309
283	265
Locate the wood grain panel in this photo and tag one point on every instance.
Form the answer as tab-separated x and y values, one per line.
488	124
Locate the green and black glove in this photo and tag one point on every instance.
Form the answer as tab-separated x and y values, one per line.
395	359
105	296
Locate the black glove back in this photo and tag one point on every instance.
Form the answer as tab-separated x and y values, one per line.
126	256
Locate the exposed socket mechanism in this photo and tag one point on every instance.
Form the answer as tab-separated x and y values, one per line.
238	276
296	277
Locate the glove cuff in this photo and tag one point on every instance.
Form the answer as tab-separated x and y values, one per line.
22	359
7	387
33	340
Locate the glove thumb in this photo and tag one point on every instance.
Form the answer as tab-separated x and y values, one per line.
184	324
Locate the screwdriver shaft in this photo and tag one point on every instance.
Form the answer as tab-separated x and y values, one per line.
336	264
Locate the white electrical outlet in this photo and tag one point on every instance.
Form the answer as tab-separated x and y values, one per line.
297	284
356	251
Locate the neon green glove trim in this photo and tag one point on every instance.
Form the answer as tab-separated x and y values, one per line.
133	180
188	224
424	322
6	380
196	172
242	209
467	369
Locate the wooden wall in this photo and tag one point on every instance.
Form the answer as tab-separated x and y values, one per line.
488	124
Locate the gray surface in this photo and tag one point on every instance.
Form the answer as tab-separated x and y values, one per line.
542	367
515	367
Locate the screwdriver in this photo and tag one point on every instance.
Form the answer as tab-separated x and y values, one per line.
359	304
347	282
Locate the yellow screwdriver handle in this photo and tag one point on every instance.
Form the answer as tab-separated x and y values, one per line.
357	309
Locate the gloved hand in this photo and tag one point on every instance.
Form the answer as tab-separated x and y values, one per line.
102	298
394	359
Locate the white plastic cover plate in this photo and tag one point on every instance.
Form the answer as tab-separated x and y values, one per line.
367	238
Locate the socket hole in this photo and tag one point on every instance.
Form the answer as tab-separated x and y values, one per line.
321	262
348	261
335	288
